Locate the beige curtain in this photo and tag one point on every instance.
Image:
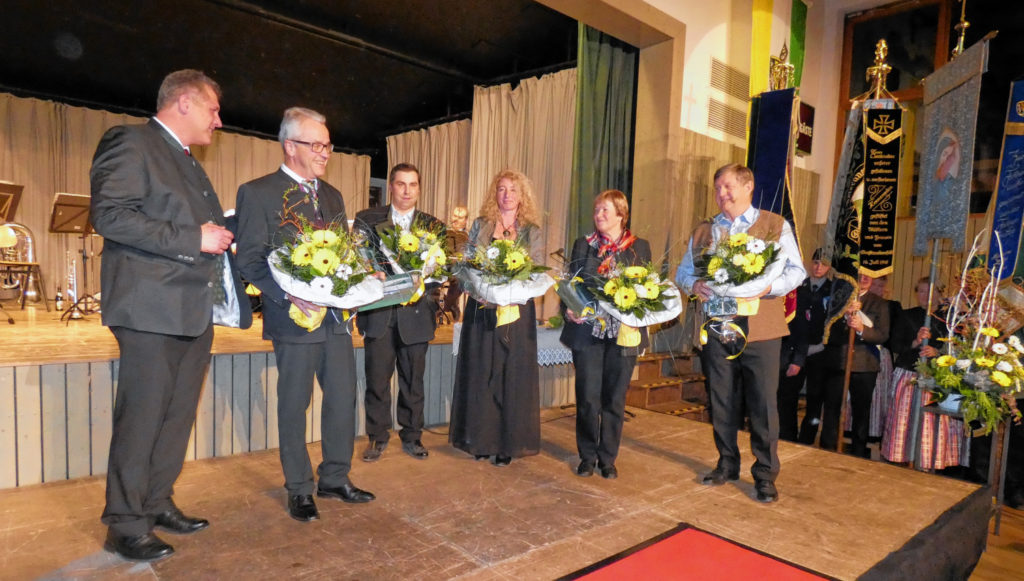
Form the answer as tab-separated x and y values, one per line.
529	128
441	153
48	147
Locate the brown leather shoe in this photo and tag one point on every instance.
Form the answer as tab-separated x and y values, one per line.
373	451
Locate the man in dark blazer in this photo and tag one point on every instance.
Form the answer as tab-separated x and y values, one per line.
166	279
868	317
397	334
325	352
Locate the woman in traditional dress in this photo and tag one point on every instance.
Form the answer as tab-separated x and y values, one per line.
603	368
496	400
907	340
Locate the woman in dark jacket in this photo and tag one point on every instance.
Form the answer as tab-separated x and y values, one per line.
603	368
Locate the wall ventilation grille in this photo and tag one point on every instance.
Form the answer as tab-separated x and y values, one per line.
727	119
729	80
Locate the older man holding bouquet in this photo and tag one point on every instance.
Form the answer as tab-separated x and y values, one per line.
744	308
271	211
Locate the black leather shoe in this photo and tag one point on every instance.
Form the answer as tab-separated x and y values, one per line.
609	472
718	476
415	449
766	491
147	547
373	451
500	460
173	521
585	469
302	508
479	457
346	492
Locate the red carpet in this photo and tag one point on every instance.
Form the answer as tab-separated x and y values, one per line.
689	553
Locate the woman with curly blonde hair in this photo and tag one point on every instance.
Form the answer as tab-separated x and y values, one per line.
496	399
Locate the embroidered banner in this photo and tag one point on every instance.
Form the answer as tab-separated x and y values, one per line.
883	134
1009	209
947	164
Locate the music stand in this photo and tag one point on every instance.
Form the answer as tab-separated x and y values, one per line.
10	195
70	215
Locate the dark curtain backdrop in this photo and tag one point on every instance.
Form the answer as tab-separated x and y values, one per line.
605	116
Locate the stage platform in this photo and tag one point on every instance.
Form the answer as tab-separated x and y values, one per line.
453	517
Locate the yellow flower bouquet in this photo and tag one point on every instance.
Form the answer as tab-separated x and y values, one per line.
637	296
740	265
503	273
324	266
417	249
981	371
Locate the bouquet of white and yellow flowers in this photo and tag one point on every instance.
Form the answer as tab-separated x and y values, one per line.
637	297
504	274
416	249
323	266
740	265
981	372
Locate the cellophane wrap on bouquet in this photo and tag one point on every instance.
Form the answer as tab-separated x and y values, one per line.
320	290
514	292
637	296
418	249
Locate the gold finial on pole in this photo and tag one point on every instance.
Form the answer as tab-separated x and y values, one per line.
961	28
781	72
878	73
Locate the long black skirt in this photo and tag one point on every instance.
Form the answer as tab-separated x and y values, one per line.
496	400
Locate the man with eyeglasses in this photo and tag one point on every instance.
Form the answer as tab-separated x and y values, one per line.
325	352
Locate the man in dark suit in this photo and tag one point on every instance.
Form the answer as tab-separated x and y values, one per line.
397	334
166	279
868	317
325	352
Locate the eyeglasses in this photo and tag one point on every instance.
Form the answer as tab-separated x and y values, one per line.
316	146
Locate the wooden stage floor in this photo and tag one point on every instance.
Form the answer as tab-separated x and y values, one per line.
40	337
452	517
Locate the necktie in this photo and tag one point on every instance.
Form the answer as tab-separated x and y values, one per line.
311	188
187	152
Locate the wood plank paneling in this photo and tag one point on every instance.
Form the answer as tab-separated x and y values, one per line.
102	385
54	423
77	382
29	417
240	407
223	422
8	430
55	419
257	401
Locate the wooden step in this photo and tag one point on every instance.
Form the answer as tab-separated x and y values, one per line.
691	410
653	357
642	393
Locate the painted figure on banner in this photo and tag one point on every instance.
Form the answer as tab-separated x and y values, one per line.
324	353
167	277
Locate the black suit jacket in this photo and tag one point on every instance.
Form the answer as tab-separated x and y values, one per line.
416	322
865	352
584	261
149	202
260	204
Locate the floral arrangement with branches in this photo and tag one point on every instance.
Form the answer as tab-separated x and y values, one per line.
417	249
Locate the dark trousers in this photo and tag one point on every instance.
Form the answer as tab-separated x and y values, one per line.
333	364
816	373
159	381
862	386
788	402
751	381
602	378
383	354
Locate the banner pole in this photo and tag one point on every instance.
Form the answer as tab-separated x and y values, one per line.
913	438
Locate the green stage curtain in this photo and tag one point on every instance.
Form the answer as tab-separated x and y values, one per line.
605	116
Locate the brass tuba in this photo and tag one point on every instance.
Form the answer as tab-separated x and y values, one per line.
23	250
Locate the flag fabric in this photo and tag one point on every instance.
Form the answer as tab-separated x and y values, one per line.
1008	215
773	124
774	23
883	149
950	117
